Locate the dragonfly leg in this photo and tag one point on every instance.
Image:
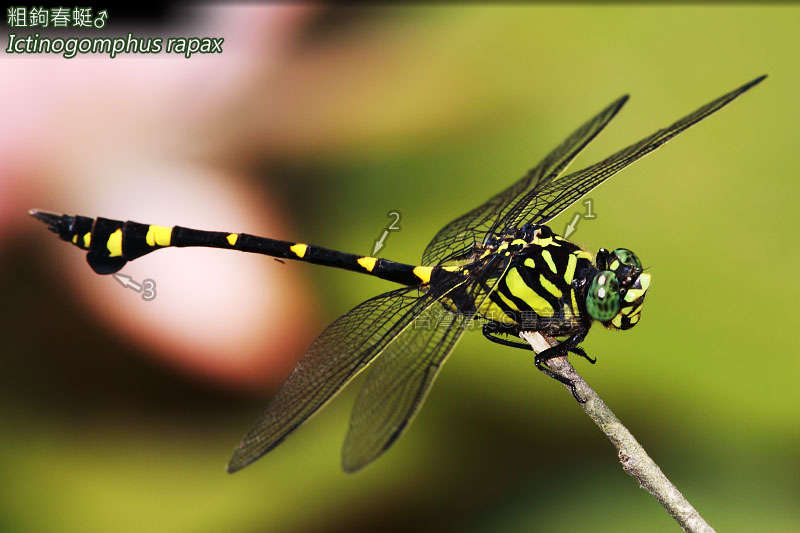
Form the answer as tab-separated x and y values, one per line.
559	350
577	350
491	330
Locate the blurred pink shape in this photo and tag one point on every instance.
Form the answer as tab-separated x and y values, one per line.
128	138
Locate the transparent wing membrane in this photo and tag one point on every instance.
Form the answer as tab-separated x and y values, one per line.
540	195
336	356
400	379
544	202
458	237
398	382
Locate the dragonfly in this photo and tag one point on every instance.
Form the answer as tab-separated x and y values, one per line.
499	267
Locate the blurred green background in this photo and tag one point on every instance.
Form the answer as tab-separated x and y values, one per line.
428	111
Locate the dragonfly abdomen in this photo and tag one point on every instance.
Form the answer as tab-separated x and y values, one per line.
112	243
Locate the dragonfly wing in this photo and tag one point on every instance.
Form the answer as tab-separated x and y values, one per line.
543	203
399	380
336	356
458	237
397	384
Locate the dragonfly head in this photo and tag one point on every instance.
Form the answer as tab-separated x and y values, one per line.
616	293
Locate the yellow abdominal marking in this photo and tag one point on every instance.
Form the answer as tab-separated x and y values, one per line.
569	274
299	249
114	244
583	254
530	263
635	319
520	289
614	265
367	263
232	238
87	239
549	260
158	236
549	287
74	239
423	273
617	322
452	268
518	242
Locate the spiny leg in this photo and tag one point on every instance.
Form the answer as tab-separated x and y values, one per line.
492	329
540	364
562	349
577	350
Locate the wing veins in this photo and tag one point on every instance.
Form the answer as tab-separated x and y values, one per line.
562	193
459	235
400	380
373	324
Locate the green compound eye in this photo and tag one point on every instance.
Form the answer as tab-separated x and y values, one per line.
626	257
602	300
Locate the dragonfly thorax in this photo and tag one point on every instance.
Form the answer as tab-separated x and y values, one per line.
544	284
553	286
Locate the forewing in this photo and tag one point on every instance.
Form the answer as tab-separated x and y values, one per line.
458	237
398	382
336	356
543	203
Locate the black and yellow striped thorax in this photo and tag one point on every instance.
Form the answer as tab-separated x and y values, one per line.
539	289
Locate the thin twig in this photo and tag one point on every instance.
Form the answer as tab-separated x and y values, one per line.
632	456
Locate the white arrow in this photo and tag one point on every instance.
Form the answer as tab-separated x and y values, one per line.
379	243
570	229
127	282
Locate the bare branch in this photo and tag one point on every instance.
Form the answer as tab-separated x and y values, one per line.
632	456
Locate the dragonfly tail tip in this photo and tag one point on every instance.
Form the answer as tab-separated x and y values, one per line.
51	219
